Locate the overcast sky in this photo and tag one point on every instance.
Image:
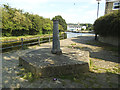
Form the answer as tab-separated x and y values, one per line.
73	11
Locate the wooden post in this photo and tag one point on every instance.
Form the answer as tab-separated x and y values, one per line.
63	35
49	36
22	43
96	37
39	41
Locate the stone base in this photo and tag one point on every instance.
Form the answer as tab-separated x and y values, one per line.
57	52
43	63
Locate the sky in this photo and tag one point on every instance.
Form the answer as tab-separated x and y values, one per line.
73	11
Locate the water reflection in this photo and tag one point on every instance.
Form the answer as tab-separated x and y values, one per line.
71	34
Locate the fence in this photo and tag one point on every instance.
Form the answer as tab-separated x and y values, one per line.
22	44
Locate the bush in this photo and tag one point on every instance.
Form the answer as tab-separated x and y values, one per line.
108	25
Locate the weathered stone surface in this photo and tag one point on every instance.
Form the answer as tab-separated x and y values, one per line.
56	43
42	63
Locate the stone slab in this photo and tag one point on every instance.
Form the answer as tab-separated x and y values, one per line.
43	63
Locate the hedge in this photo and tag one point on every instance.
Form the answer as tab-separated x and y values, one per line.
108	25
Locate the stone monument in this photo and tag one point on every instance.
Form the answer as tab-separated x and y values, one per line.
56	43
43	63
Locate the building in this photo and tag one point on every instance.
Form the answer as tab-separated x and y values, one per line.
111	6
84	27
74	27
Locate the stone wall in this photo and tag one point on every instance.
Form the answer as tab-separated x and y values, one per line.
109	7
109	40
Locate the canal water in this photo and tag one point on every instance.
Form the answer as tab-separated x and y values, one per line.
71	34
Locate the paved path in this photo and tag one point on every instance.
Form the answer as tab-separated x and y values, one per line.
102	62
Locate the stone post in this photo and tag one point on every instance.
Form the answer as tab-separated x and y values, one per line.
56	43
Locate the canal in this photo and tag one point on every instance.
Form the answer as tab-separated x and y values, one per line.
71	34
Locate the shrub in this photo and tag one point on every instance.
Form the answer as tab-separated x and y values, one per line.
108	25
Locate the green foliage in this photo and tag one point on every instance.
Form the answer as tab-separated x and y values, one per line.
17	23
14	22
47	26
73	44
108	25
88	26
91	63
25	74
60	27
37	24
62	22
82	29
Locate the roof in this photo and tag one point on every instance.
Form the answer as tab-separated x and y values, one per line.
112	0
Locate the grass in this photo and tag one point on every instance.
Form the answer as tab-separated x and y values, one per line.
81	78
76	47
13	38
94	68
25	37
73	44
2	39
23	73
113	70
19	38
117	65
75	77
70	77
91	62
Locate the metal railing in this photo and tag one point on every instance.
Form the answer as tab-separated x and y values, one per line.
22	42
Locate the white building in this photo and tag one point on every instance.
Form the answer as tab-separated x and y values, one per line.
84	27
74	27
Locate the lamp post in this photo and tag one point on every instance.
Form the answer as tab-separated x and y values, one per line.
98	7
97	16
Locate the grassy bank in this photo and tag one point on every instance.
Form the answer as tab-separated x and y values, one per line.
27	39
3	39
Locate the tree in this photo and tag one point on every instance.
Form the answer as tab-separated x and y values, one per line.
47	26
14	22
60	27
7	24
37	24
108	25
21	24
17	23
62	22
